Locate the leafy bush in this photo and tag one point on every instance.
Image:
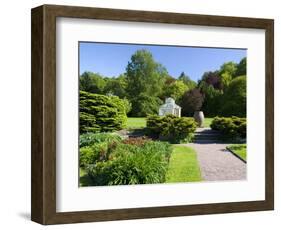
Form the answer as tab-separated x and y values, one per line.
93	153
95	147
232	127
100	113
132	164
171	128
88	139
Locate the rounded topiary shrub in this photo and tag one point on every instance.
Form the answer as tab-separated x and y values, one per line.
171	128
231	127
100	113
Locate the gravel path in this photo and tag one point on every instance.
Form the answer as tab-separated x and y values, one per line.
217	163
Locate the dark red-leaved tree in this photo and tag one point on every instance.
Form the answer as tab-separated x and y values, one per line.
213	78
192	101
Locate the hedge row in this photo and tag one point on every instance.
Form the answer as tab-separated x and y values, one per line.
231	127
116	162
100	113
171	128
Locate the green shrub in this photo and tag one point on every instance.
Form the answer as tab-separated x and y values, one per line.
92	154
100	113
171	128
96	146
231	127
132	164
88	139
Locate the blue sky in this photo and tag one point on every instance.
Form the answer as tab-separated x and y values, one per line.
111	59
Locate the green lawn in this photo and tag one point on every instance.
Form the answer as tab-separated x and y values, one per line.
183	166
240	150
207	121
135	122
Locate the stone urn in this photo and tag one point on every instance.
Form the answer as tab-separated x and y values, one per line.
199	118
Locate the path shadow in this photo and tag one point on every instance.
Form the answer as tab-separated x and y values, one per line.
139	132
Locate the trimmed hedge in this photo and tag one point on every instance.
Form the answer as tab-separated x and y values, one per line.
100	113
231	127
171	128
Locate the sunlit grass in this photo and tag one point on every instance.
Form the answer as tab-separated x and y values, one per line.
240	150
136	122
183	166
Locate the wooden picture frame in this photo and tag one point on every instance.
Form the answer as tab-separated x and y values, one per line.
43	208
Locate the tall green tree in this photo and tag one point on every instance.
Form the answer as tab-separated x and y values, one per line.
234	99
212	99
92	82
145	79
227	72
241	67
144	105
175	90
187	81
117	86
144	74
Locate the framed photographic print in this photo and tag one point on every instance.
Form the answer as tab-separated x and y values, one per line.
140	114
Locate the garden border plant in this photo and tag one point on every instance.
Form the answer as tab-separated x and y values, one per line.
109	160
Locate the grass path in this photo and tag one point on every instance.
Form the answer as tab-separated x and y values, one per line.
183	166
